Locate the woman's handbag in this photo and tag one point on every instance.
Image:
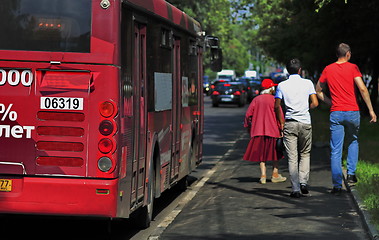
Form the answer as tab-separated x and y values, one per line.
280	145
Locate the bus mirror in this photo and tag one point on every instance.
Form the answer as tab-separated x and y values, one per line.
216	59
212	42
216	53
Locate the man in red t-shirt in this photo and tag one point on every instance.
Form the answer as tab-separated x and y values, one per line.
342	77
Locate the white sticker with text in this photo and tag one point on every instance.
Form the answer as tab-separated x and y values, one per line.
61	103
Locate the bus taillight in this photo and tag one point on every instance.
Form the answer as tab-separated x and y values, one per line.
105	145
105	164
106	109
106	127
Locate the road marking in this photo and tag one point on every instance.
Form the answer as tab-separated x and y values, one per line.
189	195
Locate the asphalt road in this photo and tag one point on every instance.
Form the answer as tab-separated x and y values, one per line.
223	126
232	204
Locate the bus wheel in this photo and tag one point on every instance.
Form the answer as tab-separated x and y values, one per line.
145	215
183	184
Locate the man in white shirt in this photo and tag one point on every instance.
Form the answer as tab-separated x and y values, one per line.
296	92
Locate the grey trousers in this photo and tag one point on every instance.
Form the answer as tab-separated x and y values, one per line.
298	143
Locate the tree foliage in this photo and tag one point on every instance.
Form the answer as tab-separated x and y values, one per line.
311	29
216	17
283	29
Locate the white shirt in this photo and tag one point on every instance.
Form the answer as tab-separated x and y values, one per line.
295	92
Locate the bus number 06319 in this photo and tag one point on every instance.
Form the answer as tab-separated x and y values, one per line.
62	103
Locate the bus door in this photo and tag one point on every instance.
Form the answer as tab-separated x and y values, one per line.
139	112
176	110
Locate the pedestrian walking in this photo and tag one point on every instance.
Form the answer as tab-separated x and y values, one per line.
296	92
263	127
341	77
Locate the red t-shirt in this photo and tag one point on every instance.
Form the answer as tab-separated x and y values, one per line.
340	80
263	119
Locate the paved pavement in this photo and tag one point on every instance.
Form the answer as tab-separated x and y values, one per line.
234	205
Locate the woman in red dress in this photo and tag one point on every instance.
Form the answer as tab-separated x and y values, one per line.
263	126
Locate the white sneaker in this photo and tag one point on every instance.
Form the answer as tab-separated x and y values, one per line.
262	180
278	179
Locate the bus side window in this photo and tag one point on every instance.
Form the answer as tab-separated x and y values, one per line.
192	47
166	38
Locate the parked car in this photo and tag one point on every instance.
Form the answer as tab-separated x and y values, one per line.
229	93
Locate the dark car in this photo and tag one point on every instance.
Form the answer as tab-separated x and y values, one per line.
215	82
246	81
228	93
255	88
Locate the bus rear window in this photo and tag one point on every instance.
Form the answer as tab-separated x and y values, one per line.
225	87
46	25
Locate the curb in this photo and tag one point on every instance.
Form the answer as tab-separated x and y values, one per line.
362	210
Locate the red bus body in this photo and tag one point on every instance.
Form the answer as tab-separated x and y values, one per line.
84	132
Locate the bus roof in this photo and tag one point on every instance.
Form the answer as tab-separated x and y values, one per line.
169	12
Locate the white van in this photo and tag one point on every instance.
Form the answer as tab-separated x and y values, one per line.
227	74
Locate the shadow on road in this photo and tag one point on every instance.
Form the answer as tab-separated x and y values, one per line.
78	228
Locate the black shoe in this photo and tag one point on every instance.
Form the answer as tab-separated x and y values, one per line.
304	188
336	191
295	195
351	179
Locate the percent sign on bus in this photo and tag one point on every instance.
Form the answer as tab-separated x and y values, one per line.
6	111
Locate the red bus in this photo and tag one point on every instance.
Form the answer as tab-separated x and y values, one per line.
100	105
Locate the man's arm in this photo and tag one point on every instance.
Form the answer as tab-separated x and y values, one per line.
314	101
321	95
366	97
278	112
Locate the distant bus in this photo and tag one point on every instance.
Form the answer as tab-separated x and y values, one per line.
101	105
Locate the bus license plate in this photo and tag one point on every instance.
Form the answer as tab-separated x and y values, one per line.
5	185
61	103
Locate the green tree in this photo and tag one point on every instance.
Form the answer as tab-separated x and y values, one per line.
311	29
218	19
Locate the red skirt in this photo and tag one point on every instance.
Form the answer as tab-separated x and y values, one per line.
262	149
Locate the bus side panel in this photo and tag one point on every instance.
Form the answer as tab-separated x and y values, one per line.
161	64
161	74
159	124
159	86
190	104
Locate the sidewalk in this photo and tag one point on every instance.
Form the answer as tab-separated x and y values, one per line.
233	205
